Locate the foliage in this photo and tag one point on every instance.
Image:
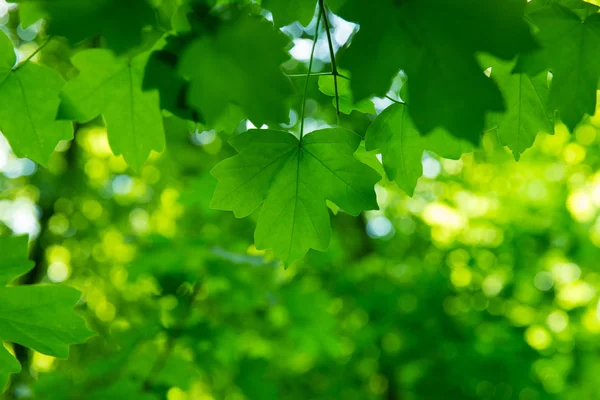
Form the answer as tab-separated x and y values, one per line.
37	316
371	132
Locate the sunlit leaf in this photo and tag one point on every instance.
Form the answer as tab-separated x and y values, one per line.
294	179
39	317
394	134
29	96
112	87
346	99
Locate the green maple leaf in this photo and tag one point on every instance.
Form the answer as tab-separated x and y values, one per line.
30	97
161	69
120	22
8	365
346	99
570	52
113	87
430	41
294	179
39	317
401	146
287	11
161	74
526	114
240	65
446	145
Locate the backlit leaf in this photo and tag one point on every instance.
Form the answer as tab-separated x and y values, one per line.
112	87
293	180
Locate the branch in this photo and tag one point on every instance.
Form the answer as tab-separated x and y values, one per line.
334	70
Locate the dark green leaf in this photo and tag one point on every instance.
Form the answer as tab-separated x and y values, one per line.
120	22
570	52
240	64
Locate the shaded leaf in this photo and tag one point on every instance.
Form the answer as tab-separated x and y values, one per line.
120	22
239	64
570	52
448	88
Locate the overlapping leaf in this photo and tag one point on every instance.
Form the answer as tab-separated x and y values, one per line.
120	22
526	113
161	70
39	317
113	87
161	74
240	65
435	44
294	179
570	52
401	145
287	11
346	99
29	99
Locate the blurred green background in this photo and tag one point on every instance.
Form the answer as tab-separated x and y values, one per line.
483	285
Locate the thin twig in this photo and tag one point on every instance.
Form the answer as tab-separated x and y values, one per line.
310	63
25	61
334	70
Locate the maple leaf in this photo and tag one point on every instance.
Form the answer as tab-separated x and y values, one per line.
36	316
239	64
112	87
570	52
29	94
120	22
526	113
346	98
401	146
294	179
448	88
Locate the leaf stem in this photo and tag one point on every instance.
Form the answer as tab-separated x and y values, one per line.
25	61
310	63
313	74
394	100
334	70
